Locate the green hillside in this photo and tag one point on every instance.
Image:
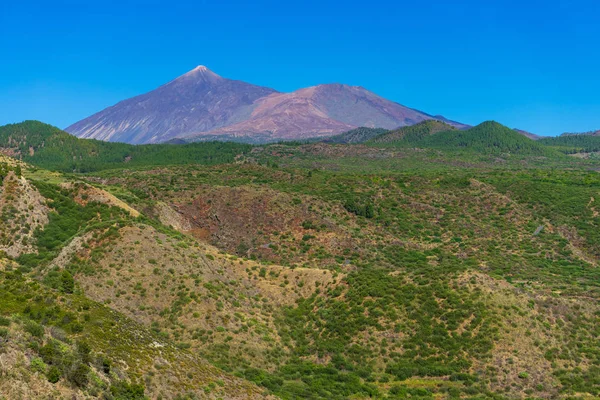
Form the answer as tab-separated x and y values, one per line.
429	283
48	147
358	135
304	271
411	134
571	144
487	137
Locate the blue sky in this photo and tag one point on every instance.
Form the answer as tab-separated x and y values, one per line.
527	64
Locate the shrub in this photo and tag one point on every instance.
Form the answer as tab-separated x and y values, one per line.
78	374
37	365
53	375
34	329
67	283
127	391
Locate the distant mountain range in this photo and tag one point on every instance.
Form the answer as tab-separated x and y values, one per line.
201	105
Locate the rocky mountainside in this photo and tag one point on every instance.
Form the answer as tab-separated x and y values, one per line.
201	105
198	101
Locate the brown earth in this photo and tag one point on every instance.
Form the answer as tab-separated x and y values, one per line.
22	211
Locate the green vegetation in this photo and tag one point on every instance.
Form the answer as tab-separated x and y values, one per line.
413	133
68	219
571	144
431	263
401	315
489	138
62	352
354	136
48	147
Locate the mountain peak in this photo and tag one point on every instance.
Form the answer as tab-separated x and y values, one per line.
201	69
201	72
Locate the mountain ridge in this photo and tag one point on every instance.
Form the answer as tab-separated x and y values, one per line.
201	105
214	100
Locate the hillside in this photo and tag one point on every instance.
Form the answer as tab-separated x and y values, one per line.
201	105
48	147
572	144
67	346
487	137
432	282
59	341
411	134
358	135
319	271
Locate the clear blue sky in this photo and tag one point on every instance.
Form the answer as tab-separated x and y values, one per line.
529	64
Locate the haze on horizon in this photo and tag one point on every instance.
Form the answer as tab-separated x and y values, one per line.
530	66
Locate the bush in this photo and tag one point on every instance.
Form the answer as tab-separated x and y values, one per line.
67	283
126	391
362	210
37	365
78	374
53	375
34	329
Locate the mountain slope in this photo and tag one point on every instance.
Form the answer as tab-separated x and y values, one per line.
198	101
55	342
571	144
323	282
63	345
414	132
358	135
318	111
48	147
442	283
487	137
201	105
